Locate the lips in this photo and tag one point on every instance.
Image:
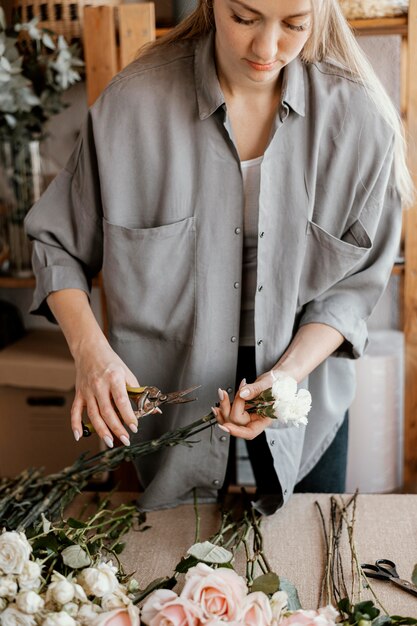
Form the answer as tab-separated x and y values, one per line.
262	67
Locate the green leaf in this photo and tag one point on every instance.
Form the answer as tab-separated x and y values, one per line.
210	553
185	564
75	557
365	610
268	583
119	547
344	605
158	583
397	619
414	574
75	523
293	600
382	620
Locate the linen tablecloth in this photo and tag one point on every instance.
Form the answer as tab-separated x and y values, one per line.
386	527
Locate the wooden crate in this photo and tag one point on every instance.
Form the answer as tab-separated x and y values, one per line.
112	38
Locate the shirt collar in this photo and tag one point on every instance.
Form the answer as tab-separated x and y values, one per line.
210	96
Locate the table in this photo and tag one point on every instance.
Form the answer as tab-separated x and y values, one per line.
386	527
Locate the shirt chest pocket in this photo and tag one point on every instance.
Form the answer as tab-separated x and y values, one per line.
149	281
329	259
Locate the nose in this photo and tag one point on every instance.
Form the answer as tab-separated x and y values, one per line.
265	44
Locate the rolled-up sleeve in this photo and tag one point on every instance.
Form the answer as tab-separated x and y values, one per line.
347	304
65	226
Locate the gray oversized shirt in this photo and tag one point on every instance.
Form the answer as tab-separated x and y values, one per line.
153	196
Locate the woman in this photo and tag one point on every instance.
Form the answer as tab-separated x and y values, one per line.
239	183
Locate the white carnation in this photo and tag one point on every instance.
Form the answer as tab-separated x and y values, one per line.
30	578
295	411
13	617
8	587
59	619
29	602
3	604
98	581
284	387
14	552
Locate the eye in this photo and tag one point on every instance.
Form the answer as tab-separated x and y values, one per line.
299	28
241	20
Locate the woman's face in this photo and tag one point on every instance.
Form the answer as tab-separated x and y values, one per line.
255	39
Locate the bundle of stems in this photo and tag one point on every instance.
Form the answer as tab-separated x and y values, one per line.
31	494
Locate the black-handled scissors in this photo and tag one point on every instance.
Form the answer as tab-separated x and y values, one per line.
384	569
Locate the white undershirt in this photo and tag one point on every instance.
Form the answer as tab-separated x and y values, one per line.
251	173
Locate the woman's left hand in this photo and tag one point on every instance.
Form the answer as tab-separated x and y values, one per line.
233	418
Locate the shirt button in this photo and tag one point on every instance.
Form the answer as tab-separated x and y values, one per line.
259	342
216	482
237	230
272	442
229	390
236	285
260	287
285	492
223	438
233	339
261	234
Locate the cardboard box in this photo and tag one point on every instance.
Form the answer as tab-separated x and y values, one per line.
37	377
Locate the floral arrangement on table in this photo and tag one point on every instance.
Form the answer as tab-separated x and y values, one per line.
36	67
57	571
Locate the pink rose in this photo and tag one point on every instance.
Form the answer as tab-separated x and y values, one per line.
325	616
165	608
128	616
220	592
256	610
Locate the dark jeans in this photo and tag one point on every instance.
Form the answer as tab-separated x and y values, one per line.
327	476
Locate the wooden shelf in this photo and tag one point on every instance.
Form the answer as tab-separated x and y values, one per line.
381	26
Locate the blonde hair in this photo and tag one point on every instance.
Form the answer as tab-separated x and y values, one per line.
331	38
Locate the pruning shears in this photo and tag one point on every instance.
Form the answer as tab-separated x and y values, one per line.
148	399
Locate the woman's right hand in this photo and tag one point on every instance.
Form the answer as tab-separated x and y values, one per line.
101	378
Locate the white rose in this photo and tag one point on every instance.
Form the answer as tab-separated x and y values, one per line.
60	592
116	600
278	603
8	587
98	581
128	616
87	614
30	578
59	619
3	604
29	602
14	552
71	608
284	387
13	617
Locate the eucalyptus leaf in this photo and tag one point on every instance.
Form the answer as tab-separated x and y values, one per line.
75	523
75	557
293	600
268	583
210	553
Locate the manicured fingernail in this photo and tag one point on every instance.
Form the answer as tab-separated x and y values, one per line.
125	440
214	411
221	394
108	441
243	383
223	428
244	393
158	410
133	427
76	435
